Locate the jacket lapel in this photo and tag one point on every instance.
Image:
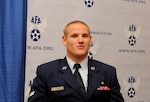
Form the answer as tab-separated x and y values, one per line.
94	77
68	77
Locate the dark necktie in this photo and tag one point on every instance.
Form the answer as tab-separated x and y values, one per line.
78	77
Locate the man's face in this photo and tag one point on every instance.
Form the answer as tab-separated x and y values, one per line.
77	40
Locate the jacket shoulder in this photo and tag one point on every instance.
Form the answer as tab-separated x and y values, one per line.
102	65
52	65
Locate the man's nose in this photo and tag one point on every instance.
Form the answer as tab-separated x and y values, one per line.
80	39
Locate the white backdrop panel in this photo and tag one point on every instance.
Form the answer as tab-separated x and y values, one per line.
109	21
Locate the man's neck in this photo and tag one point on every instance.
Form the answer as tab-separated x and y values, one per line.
77	59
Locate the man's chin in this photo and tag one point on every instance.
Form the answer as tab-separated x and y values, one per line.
82	55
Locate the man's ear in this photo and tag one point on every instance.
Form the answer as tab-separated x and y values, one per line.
64	40
91	43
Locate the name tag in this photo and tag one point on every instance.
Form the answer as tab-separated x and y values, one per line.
57	88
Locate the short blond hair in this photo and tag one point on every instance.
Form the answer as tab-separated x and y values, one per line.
73	22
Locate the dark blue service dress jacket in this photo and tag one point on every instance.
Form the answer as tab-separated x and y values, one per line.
56	83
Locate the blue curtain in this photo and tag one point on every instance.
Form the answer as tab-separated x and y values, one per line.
13	15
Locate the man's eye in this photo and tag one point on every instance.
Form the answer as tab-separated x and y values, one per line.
85	35
74	35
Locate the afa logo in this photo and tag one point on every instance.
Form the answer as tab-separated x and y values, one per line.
89	3
35	35
36	27
131	85
132	33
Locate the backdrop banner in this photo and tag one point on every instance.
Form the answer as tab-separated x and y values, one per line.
120	30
